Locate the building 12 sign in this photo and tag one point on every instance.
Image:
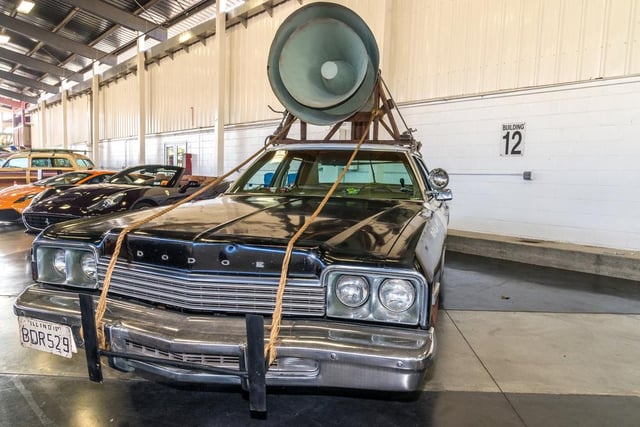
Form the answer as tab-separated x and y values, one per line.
512	143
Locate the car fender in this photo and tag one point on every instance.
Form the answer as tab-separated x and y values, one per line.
430	247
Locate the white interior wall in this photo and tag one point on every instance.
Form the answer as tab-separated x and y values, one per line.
181	90
579	144
119	108
79	119
464	47
53	118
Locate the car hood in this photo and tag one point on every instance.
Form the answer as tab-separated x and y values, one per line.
77	199
369	231
13	193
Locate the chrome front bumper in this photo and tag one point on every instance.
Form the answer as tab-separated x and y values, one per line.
310	352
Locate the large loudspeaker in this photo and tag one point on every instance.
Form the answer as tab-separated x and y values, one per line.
323	63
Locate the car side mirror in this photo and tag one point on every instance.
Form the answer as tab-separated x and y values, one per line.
444	195
189	184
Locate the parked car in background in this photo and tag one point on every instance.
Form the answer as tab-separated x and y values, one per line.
4	153
363	284
14	199
30	166
138	187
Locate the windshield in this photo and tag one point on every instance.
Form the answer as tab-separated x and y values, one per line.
64	179
162	176
373	174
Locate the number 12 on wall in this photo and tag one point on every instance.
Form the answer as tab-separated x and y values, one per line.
512	143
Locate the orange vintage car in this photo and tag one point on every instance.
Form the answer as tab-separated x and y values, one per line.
14	199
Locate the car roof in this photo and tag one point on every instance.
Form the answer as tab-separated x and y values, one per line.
340	146
46	153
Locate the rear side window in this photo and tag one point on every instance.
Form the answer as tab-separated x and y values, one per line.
41	162
18	162
61	162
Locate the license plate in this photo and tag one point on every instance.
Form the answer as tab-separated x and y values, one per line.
47	336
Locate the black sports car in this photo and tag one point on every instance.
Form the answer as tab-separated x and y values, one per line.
138	187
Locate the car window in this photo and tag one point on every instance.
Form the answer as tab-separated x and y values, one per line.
85	163
147	175
99	179
18	162
61	162
67	178
40	162
375	174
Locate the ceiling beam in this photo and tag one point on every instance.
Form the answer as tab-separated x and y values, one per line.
28	82
121	17
109	32
19	96
56	40
36	64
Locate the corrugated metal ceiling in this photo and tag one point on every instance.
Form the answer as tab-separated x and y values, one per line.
47	44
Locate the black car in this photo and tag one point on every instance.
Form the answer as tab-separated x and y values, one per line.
138	187
362	291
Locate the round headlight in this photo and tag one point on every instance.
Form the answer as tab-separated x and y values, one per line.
397	295
88	264
352	291
59	261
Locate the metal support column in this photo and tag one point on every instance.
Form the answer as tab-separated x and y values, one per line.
65	125
43	124
220	43
142	103
95	118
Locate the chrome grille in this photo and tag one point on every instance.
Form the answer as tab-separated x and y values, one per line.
40	221
213	292
217	360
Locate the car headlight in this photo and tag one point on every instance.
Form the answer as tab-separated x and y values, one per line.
107	203
25	198
66	266
42	195
394	296
352	291
88	265
397	295
59	261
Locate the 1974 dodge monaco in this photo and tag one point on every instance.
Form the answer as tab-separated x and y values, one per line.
362	292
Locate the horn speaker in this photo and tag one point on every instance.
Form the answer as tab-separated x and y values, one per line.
323	63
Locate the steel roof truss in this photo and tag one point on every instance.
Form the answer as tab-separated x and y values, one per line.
19	96
56	40
121	17
36	64
28	82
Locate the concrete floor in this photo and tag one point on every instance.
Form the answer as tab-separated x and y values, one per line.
518	346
